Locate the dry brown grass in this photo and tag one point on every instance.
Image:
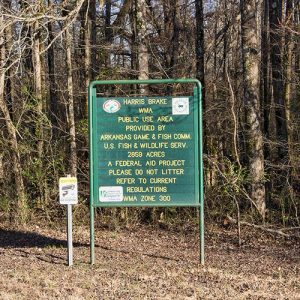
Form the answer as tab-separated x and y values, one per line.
146	263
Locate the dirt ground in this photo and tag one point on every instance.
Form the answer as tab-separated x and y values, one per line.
147	263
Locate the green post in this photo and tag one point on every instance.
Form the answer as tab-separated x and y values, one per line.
201	187
197	97
92	254
92	94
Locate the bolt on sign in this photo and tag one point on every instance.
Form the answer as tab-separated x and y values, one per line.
146	151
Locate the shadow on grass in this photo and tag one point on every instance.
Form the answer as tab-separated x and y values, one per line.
136	252
25	239
10	239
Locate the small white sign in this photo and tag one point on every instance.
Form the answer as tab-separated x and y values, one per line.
68	190
110	193
180	106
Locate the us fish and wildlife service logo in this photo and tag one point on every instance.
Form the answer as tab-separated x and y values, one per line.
180	106
111	106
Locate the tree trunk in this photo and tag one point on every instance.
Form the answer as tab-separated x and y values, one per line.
53	88
288	97
10	82
27	38
39	125
200	46
21	205
108	31
288	61
93	18
71	116
133	44
266	89
275	18
89	47
265	59
87	61
250	57
171	34
38	88
175	39
143	55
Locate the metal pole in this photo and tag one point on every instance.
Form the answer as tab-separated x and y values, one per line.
92	236
69	229
201	212
92	96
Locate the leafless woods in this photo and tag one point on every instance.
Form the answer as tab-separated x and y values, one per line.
246	54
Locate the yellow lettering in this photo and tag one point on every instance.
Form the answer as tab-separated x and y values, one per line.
161	101
165	119
128	119
172	171
156	154
171	163
128	163
147	198
129	198
141	137
118	172
125	180
147	189
145	110
155	180
133	101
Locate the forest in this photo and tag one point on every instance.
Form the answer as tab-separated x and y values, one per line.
245	53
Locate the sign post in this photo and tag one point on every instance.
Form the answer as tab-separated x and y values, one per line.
70	235
146	151
68	195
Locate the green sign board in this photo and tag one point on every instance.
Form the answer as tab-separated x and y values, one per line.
146	151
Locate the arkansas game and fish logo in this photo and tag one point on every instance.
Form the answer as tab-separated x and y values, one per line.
111	106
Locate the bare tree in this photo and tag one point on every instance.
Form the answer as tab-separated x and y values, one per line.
200	46
89	28
70	106
82	39
288	64
21	200
53	89
250	54
141	36
276	47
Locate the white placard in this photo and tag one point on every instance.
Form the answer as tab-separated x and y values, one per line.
68	190
180	106
110	193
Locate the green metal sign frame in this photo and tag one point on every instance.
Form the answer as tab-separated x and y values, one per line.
94	151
